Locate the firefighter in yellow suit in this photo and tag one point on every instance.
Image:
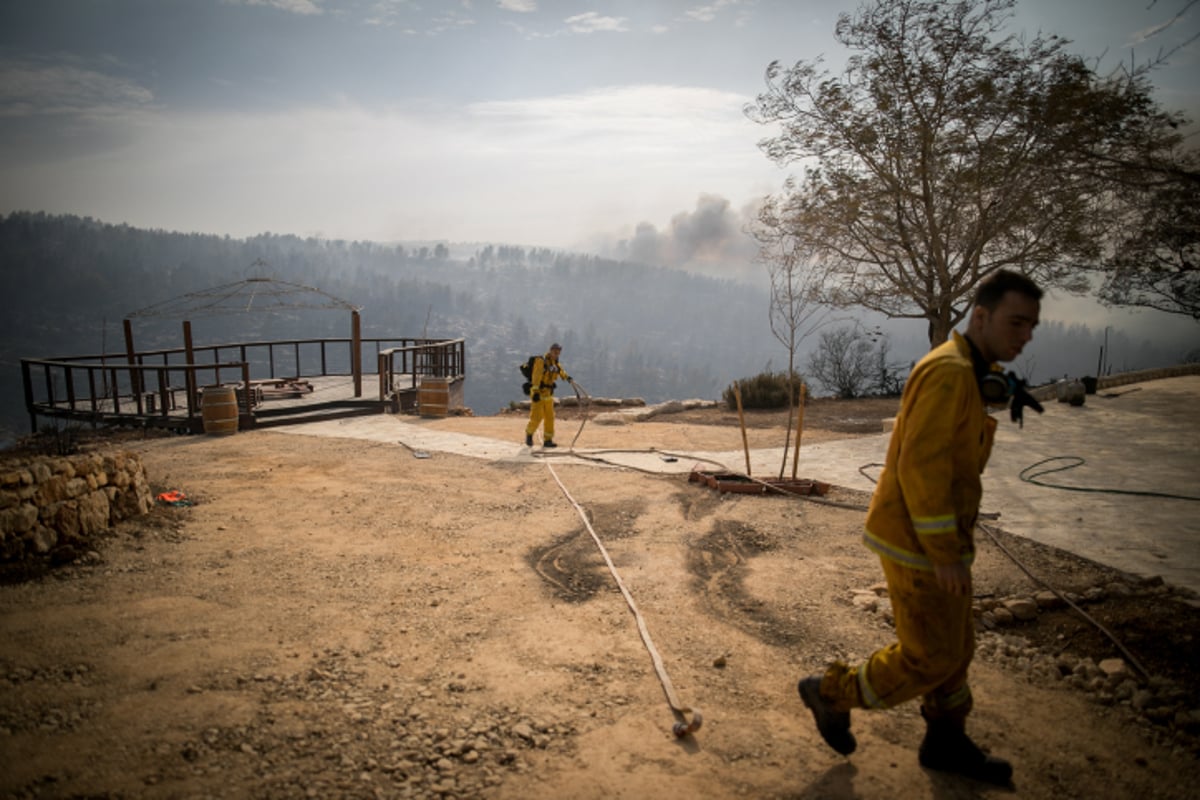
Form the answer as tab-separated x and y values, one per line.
546	372
921	525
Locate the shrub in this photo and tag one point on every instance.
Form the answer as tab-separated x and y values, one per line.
766	390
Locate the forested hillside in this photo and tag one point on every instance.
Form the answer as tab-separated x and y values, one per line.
627	329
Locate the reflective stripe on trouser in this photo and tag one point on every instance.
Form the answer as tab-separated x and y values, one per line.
936	640
539	410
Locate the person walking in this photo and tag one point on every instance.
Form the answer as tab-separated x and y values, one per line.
545	374
921	524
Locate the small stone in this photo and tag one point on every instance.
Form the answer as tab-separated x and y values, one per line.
1022	608
1141	700
1188	720
865	602
1114	667
1160	715
1047	599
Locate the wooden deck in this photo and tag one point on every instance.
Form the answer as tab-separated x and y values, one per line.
153	389
273	402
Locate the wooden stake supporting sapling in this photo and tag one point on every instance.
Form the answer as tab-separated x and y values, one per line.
799	429
737	395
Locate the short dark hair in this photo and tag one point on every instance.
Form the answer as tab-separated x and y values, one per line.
993	288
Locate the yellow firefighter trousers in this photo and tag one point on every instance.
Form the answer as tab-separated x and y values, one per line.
936	640
540	410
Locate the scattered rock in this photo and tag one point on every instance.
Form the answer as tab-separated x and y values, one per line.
1114	667
1047	600
1022	609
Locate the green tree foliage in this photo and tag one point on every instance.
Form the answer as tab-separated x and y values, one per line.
947	150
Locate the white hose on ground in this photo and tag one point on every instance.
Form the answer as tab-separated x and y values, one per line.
689	718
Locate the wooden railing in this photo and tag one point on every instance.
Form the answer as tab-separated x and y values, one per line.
108	387
110	390
401	368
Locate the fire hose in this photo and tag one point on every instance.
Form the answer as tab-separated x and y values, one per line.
688	719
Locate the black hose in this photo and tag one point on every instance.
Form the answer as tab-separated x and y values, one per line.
1030	476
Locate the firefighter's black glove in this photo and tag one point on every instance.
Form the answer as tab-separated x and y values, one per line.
537	397
1021	400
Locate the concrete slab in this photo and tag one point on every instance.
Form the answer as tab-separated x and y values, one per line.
1137	439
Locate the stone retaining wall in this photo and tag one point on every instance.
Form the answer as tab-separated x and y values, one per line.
50	501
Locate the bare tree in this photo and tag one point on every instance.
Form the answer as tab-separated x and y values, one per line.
795	312
947	150
890	376
844	362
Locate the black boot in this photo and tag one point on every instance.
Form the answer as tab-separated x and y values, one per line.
947	748
549	443
833	725
529	440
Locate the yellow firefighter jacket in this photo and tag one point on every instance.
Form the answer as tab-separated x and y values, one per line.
546	372
924	508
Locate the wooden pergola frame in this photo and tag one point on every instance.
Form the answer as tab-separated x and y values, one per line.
269	294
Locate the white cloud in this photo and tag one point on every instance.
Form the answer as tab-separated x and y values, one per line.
591	22
30	88
519	6
707	13
547	171
291	6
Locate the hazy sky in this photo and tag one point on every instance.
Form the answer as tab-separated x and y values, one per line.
557	123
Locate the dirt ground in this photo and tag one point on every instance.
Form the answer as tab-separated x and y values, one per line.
337	618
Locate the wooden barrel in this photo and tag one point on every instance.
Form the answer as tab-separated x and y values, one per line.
433	397
219	410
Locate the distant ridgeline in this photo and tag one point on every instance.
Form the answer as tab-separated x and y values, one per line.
626	329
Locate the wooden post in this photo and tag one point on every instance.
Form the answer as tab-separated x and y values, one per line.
799	429
135	379
27	379
356	351
189	375
248	417
737	395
